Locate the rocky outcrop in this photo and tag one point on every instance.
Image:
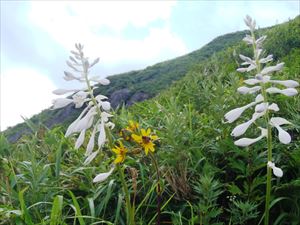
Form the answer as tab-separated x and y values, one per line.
126	97
137	97
119	97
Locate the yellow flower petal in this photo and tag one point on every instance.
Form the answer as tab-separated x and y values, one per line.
119	159
116	150
136	138
154	137
148	132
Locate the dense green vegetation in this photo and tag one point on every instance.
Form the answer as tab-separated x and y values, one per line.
206	179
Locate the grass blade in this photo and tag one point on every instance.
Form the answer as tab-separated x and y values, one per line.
78	214
56	211
25	214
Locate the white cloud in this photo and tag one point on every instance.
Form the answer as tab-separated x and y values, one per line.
75	22
24	92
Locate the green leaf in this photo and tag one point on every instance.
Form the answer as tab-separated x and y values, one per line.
78	214
56	211
25	214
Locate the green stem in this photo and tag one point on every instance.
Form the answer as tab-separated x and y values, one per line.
88	84
158	189
129	211
269	135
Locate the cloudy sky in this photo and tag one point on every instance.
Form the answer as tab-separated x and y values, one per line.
36	37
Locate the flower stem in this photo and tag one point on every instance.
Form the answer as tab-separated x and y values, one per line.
269	135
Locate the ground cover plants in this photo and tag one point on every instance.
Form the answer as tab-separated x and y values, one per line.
174	159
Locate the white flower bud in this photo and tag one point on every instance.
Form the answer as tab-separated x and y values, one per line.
104	81
251	81
99	98
241	70
246	90
80	139
102	135
273	107
105	105
267	59
91	144
103	176
287	92
271	69
248	39
90	158
276	170
286	83
61	102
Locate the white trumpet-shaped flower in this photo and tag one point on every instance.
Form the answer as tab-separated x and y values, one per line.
103	176
80	98
284	137
242	128
276	170
234	114
244	142
286	92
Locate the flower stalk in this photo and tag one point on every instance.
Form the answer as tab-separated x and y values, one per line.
263	108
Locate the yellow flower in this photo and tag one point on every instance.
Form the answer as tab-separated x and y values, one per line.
126	132
120	152
145	140
133	126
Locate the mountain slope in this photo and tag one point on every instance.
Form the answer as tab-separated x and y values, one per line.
205	177
134	86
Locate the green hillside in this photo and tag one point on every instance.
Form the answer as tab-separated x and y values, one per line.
204	178
149	82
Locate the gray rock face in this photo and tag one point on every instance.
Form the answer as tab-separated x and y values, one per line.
138	97
126	97
119	97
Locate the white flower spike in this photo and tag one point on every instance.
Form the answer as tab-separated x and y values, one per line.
96	108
